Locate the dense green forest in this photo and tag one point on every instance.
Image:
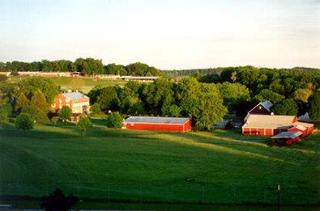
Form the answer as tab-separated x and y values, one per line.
88	66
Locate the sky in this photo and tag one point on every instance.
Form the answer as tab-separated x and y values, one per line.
168	34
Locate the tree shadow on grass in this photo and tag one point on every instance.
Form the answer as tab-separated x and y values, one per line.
230	144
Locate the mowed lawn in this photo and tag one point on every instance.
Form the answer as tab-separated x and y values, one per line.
110	164
81	84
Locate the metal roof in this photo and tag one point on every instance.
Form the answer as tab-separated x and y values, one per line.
287	135
74	95
266	104
268	121
156	120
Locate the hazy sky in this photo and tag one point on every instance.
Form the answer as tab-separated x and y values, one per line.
164	33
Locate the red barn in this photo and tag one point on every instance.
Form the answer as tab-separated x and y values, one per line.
263	108
267	125
170	124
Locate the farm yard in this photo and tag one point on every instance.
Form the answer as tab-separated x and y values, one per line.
221	167
47	141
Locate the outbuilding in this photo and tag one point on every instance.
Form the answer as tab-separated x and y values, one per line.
305	128
287	138
170	124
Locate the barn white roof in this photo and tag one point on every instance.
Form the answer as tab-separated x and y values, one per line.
269	121
156	120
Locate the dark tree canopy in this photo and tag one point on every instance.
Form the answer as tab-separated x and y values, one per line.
286	107
315	106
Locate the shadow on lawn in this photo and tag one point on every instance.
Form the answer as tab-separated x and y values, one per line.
255	149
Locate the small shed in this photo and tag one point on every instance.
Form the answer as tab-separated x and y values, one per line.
170	124
287	138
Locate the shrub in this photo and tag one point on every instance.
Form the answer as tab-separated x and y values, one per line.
58	201
55	120
24	122
65	113
95	108
37	115
83	124
114	120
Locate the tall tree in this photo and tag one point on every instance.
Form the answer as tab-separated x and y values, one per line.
158	94
38	100
315	106
21	102
211	107
30	85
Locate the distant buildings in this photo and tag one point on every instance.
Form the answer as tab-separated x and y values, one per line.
260	121
76	101
78	74
170	124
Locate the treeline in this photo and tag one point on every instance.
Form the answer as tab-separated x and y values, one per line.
32	96
164	97
218	70
290	90
86	66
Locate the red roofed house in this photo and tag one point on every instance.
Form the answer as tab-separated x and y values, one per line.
267	125
76	101
170	124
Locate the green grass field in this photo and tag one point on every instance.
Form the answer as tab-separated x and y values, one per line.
109	164
81	84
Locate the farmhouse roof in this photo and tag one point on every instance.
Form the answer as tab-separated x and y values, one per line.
269	121
287	135
156	120
74	95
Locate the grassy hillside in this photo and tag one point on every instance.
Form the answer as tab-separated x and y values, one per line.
219	167
81	84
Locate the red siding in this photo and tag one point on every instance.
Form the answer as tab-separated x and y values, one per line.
294	129
187	126
259	110
259	131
